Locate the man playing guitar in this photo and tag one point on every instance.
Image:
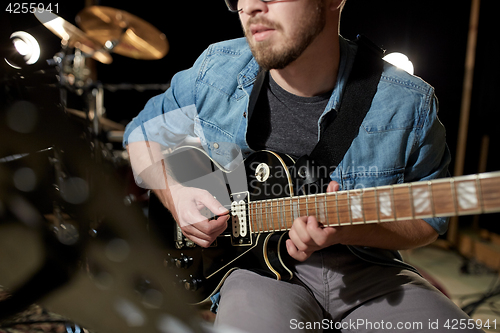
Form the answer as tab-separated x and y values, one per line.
348	278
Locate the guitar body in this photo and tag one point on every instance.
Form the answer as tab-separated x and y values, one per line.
202	271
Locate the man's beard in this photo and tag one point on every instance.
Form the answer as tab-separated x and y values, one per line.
270	56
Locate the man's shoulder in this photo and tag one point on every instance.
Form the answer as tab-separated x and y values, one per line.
398	78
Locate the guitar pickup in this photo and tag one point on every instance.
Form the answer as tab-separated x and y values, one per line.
240	226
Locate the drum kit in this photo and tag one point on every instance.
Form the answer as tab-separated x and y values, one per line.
101	32
105	30
88	224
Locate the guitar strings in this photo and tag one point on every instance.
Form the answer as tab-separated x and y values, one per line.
274	212
278	215
343	199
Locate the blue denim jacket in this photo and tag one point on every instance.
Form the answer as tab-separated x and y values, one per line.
400	140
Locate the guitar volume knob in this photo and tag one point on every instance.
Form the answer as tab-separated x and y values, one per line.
169	262
183	261
192	284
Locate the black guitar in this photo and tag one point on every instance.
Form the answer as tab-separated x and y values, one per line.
264	205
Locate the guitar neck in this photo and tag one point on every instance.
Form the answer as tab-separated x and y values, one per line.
465	195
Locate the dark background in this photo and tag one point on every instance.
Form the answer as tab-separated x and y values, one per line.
433	34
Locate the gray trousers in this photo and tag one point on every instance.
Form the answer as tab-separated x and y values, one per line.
335	291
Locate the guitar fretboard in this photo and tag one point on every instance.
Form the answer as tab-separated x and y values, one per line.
465	195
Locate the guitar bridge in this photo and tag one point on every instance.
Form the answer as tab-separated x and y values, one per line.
240	226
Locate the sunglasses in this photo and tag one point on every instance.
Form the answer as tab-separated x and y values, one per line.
232	5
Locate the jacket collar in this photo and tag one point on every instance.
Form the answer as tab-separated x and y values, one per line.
247	76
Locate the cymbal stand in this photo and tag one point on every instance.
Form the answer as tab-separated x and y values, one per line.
109	45
95	100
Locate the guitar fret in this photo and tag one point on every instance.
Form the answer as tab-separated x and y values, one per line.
283	222
490	193
377	205
433	205
349	207
307	206
385	204
298	208
454	196
261	217
267	218
356	208
272	226
272	216
256	225
257	229
251	217
284	226
410	192
362	197
316	207
257	215
295	209
421	200
280	214
337	207
479	194
369	206
393	203
327	219
256	209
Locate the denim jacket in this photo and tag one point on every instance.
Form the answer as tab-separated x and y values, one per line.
400	140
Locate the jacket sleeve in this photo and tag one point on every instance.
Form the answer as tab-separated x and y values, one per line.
430	157
170	117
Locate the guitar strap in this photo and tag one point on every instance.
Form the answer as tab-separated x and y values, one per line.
360	89
256	90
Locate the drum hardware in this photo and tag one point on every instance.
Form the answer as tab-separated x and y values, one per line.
115	136
108	125
72	37
65	230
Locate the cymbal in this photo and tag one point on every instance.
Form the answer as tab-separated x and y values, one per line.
123	33
72	36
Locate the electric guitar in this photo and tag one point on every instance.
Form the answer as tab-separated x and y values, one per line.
264	205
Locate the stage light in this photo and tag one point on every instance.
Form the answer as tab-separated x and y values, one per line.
400	60
27	50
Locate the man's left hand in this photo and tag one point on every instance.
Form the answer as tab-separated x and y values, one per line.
307	235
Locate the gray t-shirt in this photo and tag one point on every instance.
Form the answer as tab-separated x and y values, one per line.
284	122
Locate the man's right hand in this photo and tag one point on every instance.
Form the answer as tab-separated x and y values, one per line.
185	204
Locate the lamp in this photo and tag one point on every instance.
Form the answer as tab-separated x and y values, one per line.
26	50
400	60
